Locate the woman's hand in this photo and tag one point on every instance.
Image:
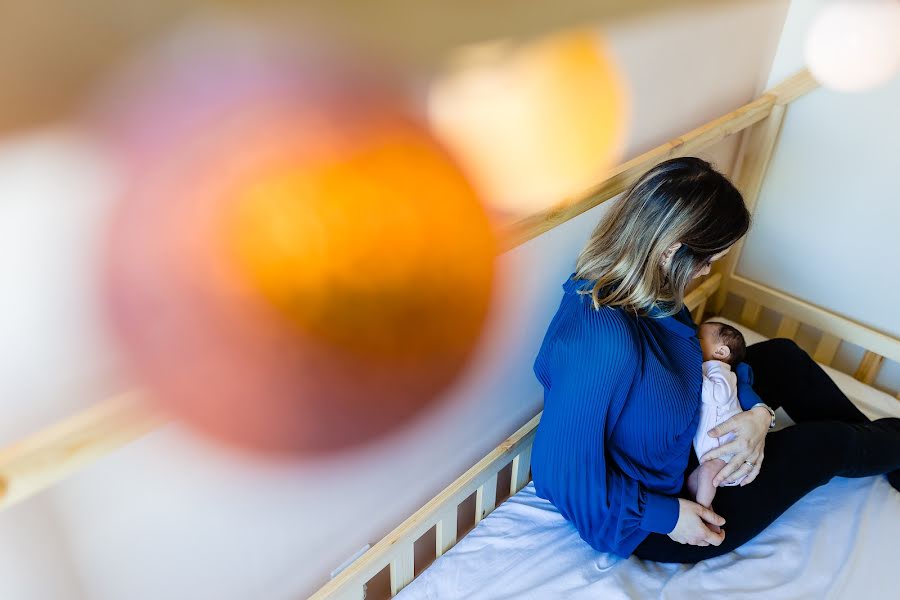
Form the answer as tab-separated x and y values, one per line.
749	428
692	527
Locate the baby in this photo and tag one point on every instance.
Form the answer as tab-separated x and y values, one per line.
723	348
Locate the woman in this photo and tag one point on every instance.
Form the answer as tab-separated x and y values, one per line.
621	368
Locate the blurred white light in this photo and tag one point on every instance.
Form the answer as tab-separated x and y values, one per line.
853	46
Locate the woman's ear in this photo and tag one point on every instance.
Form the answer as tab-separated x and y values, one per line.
666	259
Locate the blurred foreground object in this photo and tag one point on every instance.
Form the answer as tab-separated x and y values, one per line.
536	124
297	266
52	53
854	46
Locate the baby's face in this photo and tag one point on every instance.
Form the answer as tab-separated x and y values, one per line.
710	344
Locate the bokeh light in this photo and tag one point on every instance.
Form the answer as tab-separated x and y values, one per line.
297	266
855	46
533	124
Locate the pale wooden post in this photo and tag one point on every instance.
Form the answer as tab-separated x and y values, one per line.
787	328
697	313
756	152
750	313
826	348
868	367
402	568
485	498
445	531
520	466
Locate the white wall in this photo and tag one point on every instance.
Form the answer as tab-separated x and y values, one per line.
172	517
827	225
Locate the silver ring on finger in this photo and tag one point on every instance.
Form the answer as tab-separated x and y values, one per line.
747	462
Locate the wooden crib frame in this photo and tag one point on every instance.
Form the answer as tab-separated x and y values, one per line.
762	121
46	457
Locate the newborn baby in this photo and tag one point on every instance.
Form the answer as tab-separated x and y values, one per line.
723	348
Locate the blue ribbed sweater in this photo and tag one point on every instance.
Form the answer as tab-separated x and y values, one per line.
621	406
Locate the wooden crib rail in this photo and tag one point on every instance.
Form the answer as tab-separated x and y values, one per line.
757	295
396	549
756	152
692	142
834	328
47	456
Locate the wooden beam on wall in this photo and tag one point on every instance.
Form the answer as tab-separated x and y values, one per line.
622	177
757	149
756	152
51	454
837	326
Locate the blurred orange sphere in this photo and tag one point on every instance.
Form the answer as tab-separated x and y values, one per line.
306	272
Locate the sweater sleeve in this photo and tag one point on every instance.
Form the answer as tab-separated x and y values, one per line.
620	508
746	394
594	369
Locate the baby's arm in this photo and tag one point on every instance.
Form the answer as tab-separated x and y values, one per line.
715	383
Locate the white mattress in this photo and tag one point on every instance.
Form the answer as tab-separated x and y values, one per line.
840	541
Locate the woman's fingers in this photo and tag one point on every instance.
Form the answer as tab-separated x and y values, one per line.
709	536
754	472
732	447
723	428
728	470
750	477
715	538
738	467
708	515
692	527
742	471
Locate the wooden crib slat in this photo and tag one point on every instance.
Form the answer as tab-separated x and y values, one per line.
787	328
485	498
445	531
385	550
750	313
868	367
402	568
826	348
697	313
521	465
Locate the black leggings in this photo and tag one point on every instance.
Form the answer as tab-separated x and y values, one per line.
831	438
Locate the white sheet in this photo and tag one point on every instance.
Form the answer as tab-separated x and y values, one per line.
840	541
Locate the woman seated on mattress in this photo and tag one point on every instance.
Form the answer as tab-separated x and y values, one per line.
621	368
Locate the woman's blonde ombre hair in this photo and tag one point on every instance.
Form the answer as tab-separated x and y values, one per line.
680	200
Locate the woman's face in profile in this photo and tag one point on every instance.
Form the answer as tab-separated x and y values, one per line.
705	268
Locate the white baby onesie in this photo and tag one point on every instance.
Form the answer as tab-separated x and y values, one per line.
719	402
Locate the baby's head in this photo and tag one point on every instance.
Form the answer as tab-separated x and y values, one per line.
719	341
